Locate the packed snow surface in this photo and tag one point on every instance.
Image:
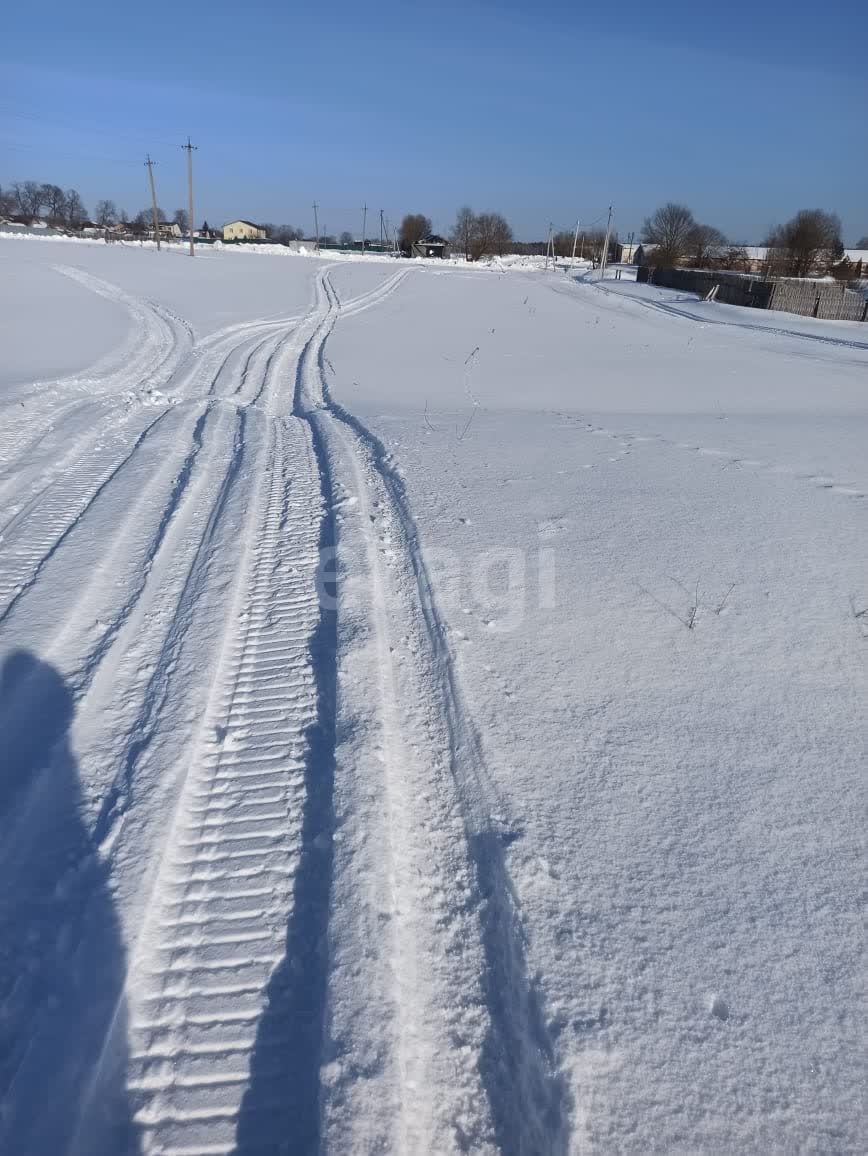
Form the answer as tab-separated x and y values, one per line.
432	711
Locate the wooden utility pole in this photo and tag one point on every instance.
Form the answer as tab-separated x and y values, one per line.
575	242
364	225
606	245
550	246
316	223
189	150
150	167
381	230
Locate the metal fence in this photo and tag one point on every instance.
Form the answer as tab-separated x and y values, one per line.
828	300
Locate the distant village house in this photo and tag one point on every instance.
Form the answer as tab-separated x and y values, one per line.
243	231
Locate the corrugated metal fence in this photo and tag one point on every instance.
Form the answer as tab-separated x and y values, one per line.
828	300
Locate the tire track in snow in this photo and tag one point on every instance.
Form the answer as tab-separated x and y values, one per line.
198	1112
219	912
194	529
673	310
41	539
157	343
257	711
39	526
451	1052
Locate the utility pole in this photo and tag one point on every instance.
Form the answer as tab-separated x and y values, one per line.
606	245
364	225
381	230
550	245
189	148
316	224
149	164
575	242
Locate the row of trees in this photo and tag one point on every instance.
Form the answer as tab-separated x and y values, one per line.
32	199
809	243
64	208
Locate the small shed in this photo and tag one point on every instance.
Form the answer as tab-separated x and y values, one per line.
431	246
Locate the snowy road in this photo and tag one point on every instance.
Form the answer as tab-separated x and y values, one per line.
278	874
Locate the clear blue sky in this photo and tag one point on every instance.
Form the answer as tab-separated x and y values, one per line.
541	109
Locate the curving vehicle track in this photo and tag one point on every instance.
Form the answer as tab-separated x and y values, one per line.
286	796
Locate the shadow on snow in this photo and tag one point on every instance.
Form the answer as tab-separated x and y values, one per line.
62	960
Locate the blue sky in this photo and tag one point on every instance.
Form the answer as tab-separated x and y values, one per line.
542	110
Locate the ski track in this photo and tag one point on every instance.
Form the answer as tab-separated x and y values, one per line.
280	973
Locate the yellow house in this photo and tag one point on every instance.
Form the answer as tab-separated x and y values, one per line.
243	231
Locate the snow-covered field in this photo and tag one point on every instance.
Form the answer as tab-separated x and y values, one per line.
432	712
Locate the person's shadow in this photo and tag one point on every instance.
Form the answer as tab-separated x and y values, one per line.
62	960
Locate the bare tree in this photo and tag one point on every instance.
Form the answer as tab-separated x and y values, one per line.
490	234
810	242
500	233
105	213
8	203
462	231
346	239
182	219
143	222
28	198
74	210
54	199
669	229
862	243
279	234
702	241
414	227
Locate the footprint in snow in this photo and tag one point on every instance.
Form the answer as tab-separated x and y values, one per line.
719	1008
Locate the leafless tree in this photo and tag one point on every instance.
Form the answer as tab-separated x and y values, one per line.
346	239
28	198
182	219
702	242
74	210
462	231
8	204
414	227
105	213
810	242
490	234
669	229
143	222
54	200
499	233
862	243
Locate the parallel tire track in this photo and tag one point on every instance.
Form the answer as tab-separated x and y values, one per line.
217	923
